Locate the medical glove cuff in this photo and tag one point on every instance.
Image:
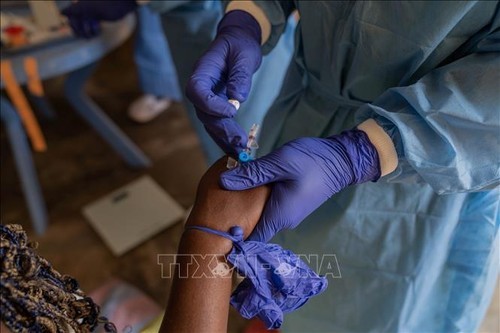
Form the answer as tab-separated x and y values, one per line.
362	154
239	19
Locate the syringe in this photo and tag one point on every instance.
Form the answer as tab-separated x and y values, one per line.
252	145
246	155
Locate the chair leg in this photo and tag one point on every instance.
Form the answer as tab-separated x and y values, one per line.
25	166
86	108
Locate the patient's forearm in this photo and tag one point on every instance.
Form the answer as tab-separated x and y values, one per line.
199	300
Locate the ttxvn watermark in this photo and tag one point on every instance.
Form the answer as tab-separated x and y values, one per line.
323	264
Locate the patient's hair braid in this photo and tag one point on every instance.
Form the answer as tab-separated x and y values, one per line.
34	297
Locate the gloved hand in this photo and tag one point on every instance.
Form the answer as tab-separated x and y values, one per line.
84	16
305	173
225	72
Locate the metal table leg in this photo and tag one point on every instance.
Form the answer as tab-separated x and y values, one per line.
73	88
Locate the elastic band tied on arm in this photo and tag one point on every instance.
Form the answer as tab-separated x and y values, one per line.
276	280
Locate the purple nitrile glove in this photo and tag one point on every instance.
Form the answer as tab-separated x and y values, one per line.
305	173
276	281
84	16
225	72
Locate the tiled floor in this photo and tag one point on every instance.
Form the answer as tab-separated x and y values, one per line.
79	167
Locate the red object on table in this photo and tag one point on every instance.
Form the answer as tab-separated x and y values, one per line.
16	35
14	30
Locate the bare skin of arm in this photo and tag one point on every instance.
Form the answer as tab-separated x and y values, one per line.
200	303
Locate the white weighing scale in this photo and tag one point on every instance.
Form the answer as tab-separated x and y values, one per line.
133	214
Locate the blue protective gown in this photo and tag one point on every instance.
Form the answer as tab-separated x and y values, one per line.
419	249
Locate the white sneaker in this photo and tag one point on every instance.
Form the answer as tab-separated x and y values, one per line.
147	107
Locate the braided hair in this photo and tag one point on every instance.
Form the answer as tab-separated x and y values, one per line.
36	298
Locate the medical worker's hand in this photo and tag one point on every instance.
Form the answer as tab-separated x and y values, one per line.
304	173
225	72
84	16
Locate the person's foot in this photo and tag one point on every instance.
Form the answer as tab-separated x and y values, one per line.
147	107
